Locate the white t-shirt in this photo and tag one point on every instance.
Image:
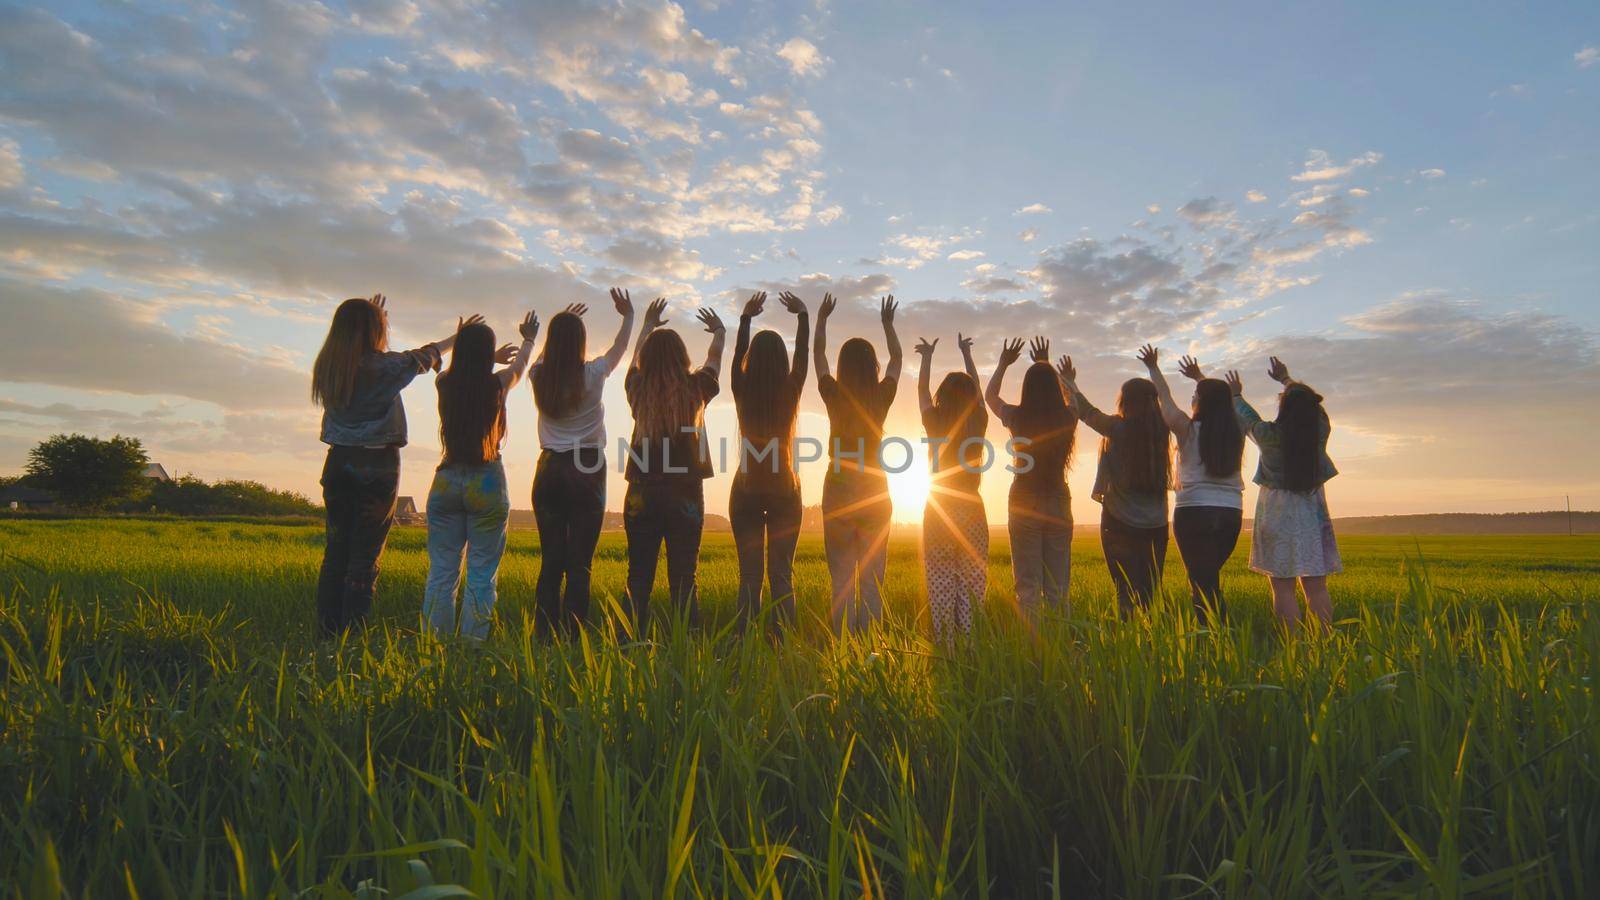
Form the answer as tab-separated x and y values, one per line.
1196	486
587	426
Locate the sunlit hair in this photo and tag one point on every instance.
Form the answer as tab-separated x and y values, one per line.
1046	419
558	381
1302	428
359	327
764	403
957	416
1142	449
665	400
472	412
858	368
1221	438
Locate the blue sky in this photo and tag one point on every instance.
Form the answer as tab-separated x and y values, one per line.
1401	200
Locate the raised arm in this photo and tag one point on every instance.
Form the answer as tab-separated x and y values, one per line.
619	345
741	343
1010	352
1087	412
924	350
1177	421
886	313
800	361
819	347
1249	420
511	374
719	335
654	317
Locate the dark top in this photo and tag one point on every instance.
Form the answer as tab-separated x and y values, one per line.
375	417
950	479
761	468
855	426
682	456
473	455
1049	472
1269	470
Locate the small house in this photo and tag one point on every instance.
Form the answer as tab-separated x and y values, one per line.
21	497
156	472
405	511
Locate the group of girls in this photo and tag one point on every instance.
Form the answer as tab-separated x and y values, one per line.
357	380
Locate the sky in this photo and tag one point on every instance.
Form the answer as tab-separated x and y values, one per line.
1401	201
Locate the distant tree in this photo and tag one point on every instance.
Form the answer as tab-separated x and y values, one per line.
89	472
187	495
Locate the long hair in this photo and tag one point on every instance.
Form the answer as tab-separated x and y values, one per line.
1301	424
1141	452
958	415
558	381
359	327
764	405
665	399
1046	419
858	368
1221	438
471	406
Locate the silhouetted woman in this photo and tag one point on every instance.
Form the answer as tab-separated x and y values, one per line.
668	461
1043	427
468	504
1130	485
357	381
569	486
1292	536
764	505
855	493
955	527
1208	508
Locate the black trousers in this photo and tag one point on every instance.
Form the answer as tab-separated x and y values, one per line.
569	506
766	527
1206	537
358	492
1136	557
671	513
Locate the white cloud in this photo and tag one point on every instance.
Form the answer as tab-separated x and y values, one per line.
1432	173
803	57
1028	235
1255	196
966	254
1586	57
1319	167
1032	209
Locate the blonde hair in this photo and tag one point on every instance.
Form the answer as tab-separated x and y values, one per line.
665	399
359	327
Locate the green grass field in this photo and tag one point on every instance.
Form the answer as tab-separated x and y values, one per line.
170	728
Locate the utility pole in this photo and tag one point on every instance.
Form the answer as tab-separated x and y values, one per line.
1569	515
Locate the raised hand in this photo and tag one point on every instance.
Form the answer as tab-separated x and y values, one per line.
709	318
1190	367
886	309
506	355
577	309
622	302
529	329
1039	349
1010	352
1065	369
828	303
1277	371
964	344
655	314
1149	355
792	303
380	301
1235	383
755	304
473	319
925	349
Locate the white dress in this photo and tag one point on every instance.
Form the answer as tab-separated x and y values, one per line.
1293	535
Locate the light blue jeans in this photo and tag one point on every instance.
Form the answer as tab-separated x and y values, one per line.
467	511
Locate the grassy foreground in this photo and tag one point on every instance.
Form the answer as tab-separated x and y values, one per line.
169	728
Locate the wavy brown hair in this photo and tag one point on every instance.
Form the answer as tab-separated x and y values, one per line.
359	327
665	399
1046	419
958	416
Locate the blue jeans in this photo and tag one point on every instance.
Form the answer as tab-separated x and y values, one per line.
467	511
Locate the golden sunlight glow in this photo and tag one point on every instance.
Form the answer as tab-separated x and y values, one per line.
909	491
